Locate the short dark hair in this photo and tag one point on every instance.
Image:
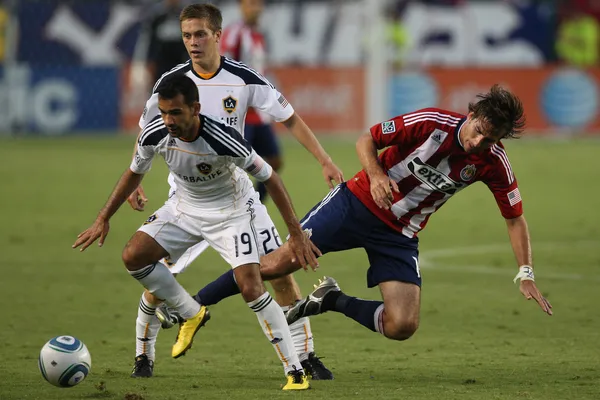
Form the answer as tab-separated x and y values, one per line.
206	11
502	109
174	85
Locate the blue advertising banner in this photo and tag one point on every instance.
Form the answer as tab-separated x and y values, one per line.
56	100
94	32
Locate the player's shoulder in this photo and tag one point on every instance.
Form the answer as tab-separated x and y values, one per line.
224	139
244	72
179	69
432	115
153	133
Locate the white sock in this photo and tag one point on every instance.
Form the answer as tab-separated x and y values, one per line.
275	327
146	329
301	336
161	283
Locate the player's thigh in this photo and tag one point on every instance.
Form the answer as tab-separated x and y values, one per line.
172	231
264	140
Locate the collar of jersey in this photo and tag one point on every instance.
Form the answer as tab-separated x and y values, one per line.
457	132
206	77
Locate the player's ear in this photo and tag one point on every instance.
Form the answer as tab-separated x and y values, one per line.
196	108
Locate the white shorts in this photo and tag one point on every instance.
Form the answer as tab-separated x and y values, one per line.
240	237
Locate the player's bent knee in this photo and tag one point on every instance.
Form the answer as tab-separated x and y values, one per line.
130	257
401	329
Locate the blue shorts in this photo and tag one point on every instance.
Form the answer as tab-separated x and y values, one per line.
341	222
263	139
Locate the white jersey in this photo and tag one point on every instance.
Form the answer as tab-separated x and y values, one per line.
206	171
228	94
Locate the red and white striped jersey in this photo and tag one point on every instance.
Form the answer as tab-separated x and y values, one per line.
244	43
427	160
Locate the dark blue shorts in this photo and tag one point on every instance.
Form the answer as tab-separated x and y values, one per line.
263	139
341	222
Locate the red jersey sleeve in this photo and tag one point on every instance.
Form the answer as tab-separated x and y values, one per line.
406	129
501	180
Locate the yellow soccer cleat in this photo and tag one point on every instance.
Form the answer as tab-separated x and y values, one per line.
187	331
296	380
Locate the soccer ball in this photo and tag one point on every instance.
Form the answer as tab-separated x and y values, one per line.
64	361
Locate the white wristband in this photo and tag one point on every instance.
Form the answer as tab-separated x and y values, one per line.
525	273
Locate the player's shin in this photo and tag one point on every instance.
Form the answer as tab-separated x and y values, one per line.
147	327
161	283
273	323
301	336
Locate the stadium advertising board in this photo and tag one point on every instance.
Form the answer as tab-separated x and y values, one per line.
556	100
56	100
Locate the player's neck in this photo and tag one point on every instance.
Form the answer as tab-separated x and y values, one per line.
194	131
209	67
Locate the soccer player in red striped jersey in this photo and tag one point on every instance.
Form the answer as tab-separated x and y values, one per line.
429	156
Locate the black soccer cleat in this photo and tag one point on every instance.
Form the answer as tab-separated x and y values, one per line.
314	368
167	316
311	305
143	367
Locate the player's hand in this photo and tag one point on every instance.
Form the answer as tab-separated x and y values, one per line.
305	251
137	200
530	291
90	235
331	172
381	190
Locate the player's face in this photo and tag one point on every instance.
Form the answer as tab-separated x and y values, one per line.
201	43
475	135
178	116
251	10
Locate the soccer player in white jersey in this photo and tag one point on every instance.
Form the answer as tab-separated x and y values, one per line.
215	202
429	156
227	89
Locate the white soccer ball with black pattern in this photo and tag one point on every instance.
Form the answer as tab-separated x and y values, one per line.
65	361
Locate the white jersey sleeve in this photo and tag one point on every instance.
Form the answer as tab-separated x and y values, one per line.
226	141
268	99
150	111
150	136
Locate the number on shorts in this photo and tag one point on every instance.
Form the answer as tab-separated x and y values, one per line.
245	239
272	234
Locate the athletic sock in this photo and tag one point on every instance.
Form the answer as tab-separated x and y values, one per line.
146	329
161	283
221	288
362	311
275	327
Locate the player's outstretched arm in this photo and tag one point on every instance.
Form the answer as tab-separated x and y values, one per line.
521	244
305	251
99	229
381	184
307	138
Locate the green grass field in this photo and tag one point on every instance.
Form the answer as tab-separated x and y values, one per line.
479	339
